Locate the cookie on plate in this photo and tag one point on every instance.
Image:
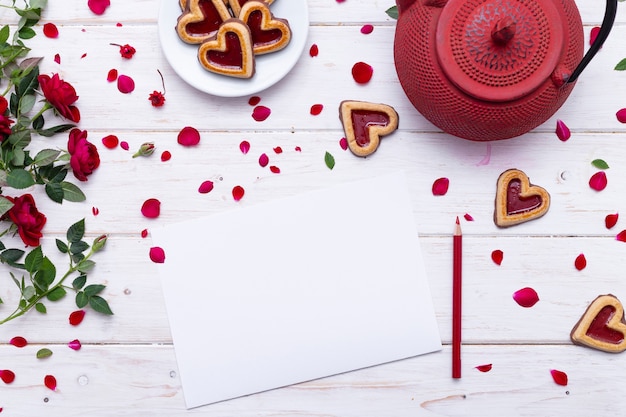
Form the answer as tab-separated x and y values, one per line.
201	20
269	33
229	52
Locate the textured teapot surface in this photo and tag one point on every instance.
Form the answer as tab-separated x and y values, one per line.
487	69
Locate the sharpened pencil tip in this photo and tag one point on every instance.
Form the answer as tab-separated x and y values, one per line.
457	220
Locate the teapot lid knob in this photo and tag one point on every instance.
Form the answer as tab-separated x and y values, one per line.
503	30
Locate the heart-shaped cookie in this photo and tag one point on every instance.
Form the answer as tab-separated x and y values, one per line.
201	20
602	326
364	123
237	5
229	52
517	200
269	34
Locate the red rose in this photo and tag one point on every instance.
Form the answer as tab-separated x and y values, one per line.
4	104
157	98
84	154
61	95
27	218
5	127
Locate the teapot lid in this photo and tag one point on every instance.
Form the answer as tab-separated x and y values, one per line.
497	50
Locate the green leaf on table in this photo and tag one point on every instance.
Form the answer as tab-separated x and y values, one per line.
100	305
76	231
46	157
54	190
600	164
20	139
621	66
392	12
28	84
20	179
34	260
40	307
44	353
5	205
11	256
85	265
329	160
27	33
29	292
27	103
61	246
46	274
78	247
55	129
38	4
56	294
79	282
4	34
72	193
94	289
81	299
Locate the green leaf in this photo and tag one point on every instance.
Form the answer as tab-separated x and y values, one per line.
55	129
392	12
38	122
11	255
94	289
4	34
29	292
61	246
18	157
20	179
20	139
38	4
100	305
78	247
600	164
85	265
46	274
72	193
27	33
54	190
56	294
329	160
76	231
44	353
79	282
5	205
27	103
34	260
40	307
81	299
621	66
28	84
46	157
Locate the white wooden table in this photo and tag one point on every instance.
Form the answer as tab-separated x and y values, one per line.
127	367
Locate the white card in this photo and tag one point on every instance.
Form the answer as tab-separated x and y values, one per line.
296	289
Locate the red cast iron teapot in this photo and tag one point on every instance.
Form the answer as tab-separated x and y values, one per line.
491	69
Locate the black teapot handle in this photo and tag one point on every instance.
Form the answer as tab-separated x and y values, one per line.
605	29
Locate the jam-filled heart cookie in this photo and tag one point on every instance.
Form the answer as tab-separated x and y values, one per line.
517	200
269	34
602	326
201	20
236	5
364	123
183	3
229	52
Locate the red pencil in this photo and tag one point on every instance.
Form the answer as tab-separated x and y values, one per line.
456	299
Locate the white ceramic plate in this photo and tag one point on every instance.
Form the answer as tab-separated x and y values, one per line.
270	68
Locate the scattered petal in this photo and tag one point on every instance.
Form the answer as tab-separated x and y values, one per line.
559	377
205	187
112	75
151	208
83	56
316	109
367	29
598	181
314	50
593	34
611	220
343	142
261	113
98	6
144	233
50	30
50	382
621	115
278	150
110	141
166	156
275	169
254	100
526	297
497	256
57	58
126	51
18	341
484	368
124	145
244	147
362	72
264	160
440	186
621	236
562	131
74	344
581	262
125	84
238	192
468	217
157	255
7	376
95	211
297	149
76	317
189	136
487	158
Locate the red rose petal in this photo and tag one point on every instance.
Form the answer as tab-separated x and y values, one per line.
621	115
278	150
440	186
144	233
275	169
50	382
112	75
559	377
7	376
110	141
468	217
238	192
166	156
581	262
76	317
124	145
362	72
611	220
343	142
254	100
264	160
244	147
98	6
95	211
593	34
18	341
484	368
151	208
261	113
526	297
598	181
562	131
189	136
125	84
157	255
74	344
83	56
316	109
367	29
57	58
621	236
50	30
205	187
497	256
314	50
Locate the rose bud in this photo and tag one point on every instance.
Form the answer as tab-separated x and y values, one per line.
98	243
146	149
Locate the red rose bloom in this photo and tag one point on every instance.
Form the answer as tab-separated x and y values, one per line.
4	104
5	127
127	51
27	218
84	154
157	98
61	95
